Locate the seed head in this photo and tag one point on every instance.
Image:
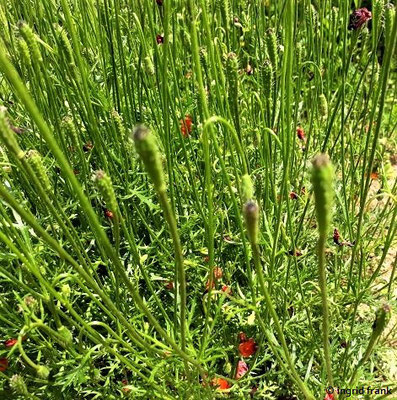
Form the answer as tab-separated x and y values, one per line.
18	385
104	184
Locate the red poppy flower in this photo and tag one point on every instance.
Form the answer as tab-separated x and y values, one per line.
3	364
159	39
301	134
220	383
329	396
109	214
293	195
248	348
242	369
186	125
358	18
10	342
374	176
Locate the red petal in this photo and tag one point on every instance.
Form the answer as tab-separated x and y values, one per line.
10	342
3	364
247	348
242	369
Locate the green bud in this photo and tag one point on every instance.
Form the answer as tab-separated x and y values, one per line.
149	67
42	372
247	188
34	159
104	184
65	45
267	76
118	121
251	216
8	136
24	53
66	335
382	318
18	385
146	146
323	106
322	180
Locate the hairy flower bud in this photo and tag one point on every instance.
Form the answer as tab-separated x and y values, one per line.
251	216
34	159
247	188
31	40
104	184
146	146
18	385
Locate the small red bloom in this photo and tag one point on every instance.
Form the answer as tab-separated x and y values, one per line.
293	195
109	214
169	285
301	134
207	285
242	337
186	125
336	237
329	396
296	253
159	39
358	18
226	289
374	175
248	348
242	369
3	364
220	383
10	342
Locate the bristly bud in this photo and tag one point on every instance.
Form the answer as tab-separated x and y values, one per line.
104	184
247	188
251	216
31	40
118	121
66	335
23	50
146	146
18	385
8	136
42	372
322	179
382	318
34	159
267	77
148	64
65	45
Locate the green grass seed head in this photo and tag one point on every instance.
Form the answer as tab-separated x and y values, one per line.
247	188
251	216
267	76
34	159
24	53
146	146
65	45
322	179
105	187
271	45
7	136
27	33
323	106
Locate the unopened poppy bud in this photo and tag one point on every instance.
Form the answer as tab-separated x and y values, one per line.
322	179
34	159
42	372
18	385
251	215
149	153
7	136
104	184
382	318
66	336
149	67
247	188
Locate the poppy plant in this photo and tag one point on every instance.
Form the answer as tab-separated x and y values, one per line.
221	384
247	348
358	18
186	125
242	369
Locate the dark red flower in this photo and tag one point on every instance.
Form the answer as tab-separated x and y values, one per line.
358	18
220	383
329	396
242	337
159	2
3	364
248	348
159	39
301	134
169	285
186	125
10	342
242	369
293	195
336	237
109	214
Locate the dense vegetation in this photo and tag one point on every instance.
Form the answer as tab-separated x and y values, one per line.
198	198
